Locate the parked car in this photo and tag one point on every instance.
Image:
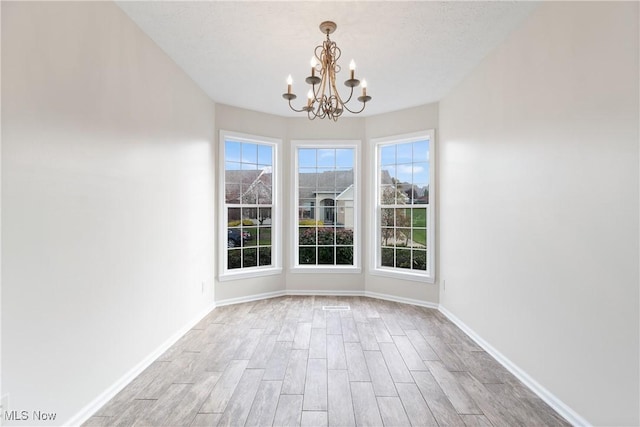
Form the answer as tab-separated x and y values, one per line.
237	238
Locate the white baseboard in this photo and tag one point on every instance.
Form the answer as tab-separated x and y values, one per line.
549	398
302	292
85	413
249	298
403	300
325	293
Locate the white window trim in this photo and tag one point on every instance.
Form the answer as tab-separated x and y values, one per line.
276	242
429	276
357	241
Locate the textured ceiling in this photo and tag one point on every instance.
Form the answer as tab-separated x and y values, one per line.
410	53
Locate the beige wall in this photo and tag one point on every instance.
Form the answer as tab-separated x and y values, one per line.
539	204
360	129
106	195
410	120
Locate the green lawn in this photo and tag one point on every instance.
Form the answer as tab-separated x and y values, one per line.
419	220
264	236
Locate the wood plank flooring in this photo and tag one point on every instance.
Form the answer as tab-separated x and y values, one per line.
287	362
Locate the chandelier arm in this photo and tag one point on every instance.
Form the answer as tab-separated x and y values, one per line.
364	104
340	101
295	109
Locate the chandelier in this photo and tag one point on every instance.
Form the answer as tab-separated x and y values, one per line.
323	98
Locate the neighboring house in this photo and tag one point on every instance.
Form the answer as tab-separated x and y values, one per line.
249	187
319	194
344	207
325	196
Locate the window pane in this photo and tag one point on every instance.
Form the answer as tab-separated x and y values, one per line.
249	153
344	236
306	157
265	155
388	195
344	158
326	215
326	236
403	258
421	151
248	177
307	178
420	260
420	172
249	217
264	216
307	255
388	155
307	236
387	257
307	210
344	255
249	257
404	153
249	196
345	216
233	217
419	237
232	151
265	195
404	173
234	259
419	217
404	176
264	256
388	236
326	255
326	158
420	194
264	236
234	237
232	193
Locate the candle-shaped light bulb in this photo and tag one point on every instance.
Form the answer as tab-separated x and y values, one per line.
364	88
352	67
309	98
313	66
289	83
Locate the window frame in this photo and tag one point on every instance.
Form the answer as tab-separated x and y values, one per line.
296	267
428	276
224	274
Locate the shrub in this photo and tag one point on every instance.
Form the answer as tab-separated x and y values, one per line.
234	259
402	259
325	238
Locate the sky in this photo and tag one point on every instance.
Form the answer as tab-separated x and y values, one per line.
407	162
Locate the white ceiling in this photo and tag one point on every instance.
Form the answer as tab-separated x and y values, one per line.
411	53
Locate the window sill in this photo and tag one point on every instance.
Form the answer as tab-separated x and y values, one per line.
229	276
415	277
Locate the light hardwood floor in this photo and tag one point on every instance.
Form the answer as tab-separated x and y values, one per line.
287	362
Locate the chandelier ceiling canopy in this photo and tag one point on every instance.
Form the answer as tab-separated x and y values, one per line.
323	98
